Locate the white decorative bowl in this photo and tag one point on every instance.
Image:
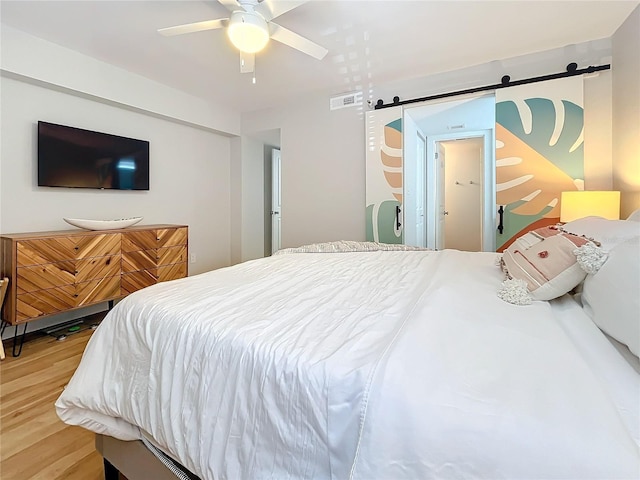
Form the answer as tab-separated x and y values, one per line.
102	224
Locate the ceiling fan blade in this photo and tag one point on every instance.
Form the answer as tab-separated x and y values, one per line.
194	27
230	4
292	39
247	62
274	8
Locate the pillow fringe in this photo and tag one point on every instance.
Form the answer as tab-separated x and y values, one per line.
590	257
514	291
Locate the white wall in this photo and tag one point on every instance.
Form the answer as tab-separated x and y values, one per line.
322	169
252	199
598	160
626	113
235	210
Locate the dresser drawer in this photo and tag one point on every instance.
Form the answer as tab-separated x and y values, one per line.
139	240
170	237
140	260
45	250
98	290
45	302
42	277
132	282
101	245
97	267
169	255
172	272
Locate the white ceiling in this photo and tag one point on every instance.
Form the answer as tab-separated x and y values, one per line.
369	42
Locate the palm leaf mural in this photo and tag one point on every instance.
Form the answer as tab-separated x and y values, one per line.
386	162
392	164
539	154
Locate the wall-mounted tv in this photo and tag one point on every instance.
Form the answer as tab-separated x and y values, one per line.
73	157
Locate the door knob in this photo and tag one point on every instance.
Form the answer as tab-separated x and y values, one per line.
445	213
274	212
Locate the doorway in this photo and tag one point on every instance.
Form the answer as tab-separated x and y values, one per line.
460	193
459	172
445	123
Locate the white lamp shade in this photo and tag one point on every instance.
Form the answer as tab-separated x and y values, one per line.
585	203
248	31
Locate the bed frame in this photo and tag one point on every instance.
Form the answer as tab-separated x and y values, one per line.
133	460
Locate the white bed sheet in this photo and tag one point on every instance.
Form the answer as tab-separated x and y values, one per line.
370	365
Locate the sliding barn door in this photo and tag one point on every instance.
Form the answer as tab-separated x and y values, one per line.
384	175
539	153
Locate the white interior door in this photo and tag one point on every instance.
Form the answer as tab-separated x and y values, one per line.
276	201
421	194
440	195
463	194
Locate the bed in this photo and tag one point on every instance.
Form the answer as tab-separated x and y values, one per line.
371	362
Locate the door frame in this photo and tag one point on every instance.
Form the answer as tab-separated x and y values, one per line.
276	199
421	181
414	171
488	215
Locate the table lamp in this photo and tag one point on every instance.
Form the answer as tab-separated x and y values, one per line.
587	203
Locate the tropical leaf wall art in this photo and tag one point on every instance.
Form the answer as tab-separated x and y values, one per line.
392	164
539	154
384	178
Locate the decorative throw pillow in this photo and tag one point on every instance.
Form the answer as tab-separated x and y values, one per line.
546	263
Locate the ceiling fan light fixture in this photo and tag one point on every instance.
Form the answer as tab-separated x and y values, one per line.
248	31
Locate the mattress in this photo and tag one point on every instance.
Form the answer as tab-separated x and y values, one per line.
384	364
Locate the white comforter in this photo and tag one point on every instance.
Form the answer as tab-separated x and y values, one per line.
377	365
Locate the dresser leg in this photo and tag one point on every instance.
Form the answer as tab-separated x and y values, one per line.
17	350
110	472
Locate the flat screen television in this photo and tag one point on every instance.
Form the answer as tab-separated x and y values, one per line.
73	157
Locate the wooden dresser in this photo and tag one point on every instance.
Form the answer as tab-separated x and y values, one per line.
54	272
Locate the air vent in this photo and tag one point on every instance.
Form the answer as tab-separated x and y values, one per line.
352	99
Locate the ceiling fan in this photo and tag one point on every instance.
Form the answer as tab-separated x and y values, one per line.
250	27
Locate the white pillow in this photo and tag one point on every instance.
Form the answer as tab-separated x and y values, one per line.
611	297
608	232
635	216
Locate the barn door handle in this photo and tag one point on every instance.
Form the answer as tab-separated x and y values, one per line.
398	224
501	219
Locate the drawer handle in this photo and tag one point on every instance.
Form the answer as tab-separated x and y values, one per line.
75	295
76	248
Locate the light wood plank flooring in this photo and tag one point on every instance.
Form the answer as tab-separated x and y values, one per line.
34	443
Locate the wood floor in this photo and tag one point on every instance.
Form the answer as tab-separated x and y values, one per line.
34	443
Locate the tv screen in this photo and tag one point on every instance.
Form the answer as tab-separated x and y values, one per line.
73	157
